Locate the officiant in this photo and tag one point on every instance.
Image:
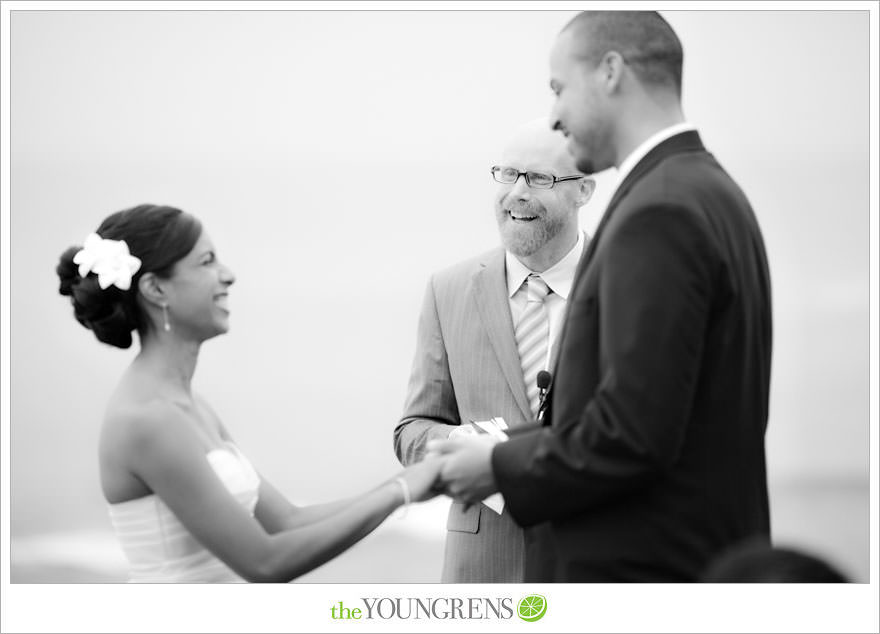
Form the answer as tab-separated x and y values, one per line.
488	327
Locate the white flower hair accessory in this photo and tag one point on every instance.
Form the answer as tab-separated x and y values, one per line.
110	260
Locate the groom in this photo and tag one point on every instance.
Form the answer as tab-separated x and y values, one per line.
653	460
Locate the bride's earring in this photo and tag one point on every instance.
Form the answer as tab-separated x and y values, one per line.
165	315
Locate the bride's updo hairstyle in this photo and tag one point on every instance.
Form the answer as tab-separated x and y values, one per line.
159	236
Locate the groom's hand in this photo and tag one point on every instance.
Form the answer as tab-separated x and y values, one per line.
467	471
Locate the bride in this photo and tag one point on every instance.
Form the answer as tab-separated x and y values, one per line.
186	504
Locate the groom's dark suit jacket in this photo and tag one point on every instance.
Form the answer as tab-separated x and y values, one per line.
653	461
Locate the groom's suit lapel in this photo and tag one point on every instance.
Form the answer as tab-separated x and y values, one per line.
678	144
493	305
684	142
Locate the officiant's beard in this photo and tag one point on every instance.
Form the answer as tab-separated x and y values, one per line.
526	239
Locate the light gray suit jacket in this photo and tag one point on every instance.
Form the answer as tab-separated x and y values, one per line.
467	368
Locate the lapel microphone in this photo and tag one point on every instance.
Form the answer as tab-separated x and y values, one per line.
543	381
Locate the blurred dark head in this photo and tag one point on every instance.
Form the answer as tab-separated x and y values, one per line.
759	562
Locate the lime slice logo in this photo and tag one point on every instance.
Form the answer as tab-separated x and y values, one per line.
532	607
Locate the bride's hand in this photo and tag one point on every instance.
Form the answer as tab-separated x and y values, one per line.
422	478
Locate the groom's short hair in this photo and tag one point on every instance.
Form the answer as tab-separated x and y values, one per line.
643	38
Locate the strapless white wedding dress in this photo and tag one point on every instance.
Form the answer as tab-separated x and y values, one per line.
160	549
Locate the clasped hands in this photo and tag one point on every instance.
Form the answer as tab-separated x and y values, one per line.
466	466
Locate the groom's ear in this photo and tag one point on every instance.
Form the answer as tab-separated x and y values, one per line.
612	67
152	289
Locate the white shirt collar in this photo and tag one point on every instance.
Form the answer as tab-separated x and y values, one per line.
627	165
558	277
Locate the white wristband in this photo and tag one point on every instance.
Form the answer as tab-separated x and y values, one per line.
407	498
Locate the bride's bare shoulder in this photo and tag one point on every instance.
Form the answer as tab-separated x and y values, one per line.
135	417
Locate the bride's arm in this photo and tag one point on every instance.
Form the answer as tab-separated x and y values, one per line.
274	511
166	454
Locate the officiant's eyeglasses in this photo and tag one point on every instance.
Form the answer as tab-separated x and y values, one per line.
536	180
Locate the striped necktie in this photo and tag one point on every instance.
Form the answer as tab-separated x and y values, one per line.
532	334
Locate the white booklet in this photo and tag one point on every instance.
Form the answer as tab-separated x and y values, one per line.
495	427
